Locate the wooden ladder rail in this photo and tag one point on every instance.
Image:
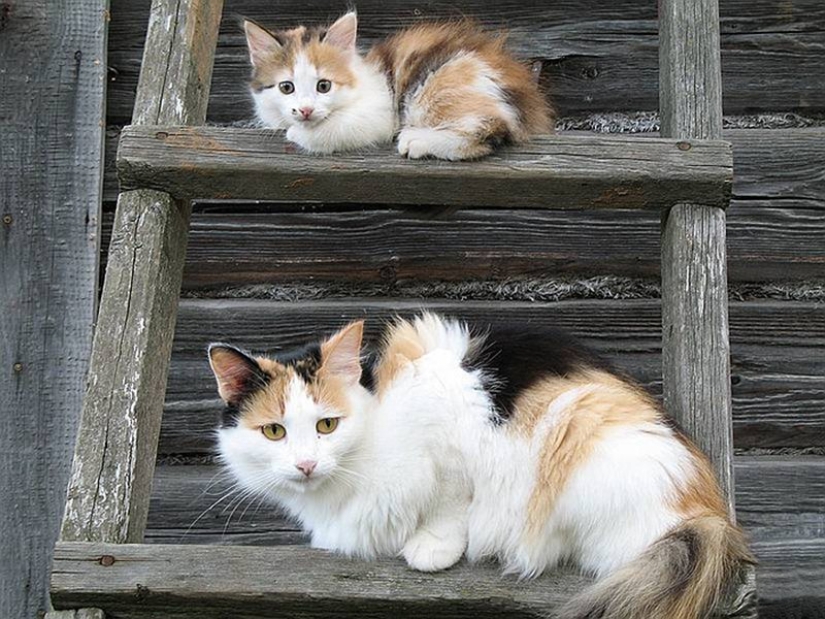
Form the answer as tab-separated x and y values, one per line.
117	442
114	461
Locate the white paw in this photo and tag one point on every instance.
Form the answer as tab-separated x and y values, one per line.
427	552
412	143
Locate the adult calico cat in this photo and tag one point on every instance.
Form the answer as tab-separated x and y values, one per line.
519	446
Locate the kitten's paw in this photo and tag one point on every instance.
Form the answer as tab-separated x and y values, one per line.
427	552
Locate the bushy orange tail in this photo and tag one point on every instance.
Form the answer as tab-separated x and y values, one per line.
682	576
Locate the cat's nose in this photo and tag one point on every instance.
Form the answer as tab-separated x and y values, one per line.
306	112
306	466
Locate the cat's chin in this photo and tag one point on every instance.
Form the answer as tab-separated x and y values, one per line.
305	485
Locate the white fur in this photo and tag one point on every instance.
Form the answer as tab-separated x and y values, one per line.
387	481
345	118
613	507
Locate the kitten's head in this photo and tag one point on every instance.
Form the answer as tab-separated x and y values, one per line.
302	76
292	423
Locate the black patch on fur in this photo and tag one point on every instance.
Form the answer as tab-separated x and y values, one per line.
305	361
256	380
515	358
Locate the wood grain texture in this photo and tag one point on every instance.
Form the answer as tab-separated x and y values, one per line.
775	226
778	354
108	496
83	613
52	99
596	56
553	172
193	581
695	347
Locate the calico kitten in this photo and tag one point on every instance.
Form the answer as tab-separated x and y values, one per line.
570	462
454	90
363	477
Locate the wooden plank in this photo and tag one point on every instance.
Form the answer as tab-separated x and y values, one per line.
605	62
83	613
109	490
52	85
775	227
194	581
108	496
777	498
578	172
696	351
778	354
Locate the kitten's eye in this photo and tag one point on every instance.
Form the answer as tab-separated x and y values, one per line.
287	87
327	426
323	86
274	431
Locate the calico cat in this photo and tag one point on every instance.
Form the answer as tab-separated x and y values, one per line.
454	90
518	446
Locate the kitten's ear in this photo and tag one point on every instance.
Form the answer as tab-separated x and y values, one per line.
236	372
341	353
343	32
259	41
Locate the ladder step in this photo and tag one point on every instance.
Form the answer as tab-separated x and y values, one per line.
556	172
211	582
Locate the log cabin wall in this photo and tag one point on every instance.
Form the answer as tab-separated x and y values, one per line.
266	276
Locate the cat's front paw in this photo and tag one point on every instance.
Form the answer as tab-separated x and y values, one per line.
427	552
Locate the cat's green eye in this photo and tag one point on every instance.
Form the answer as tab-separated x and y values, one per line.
286	87
327	426
323	86
274	431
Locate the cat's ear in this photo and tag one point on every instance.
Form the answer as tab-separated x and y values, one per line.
237	373
259	41
343	32
341	353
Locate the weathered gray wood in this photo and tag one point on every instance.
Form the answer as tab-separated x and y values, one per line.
777	497
83	613
775	231
778	353
108	496
52	98
596	56
111	479
194	581
554	172
696	366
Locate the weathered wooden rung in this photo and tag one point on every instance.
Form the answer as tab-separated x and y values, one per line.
558	172
211	582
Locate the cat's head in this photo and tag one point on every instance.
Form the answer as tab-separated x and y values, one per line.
302	76
293	423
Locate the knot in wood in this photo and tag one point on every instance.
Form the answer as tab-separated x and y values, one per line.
683	145
107	560
7	219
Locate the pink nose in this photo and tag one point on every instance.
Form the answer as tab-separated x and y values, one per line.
306	466
306	112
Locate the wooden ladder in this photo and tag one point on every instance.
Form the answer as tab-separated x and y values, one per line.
167	158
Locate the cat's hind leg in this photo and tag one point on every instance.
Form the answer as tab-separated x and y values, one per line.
449	144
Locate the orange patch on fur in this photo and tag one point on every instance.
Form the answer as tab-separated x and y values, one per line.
446	58
401	346
605	402
331	63
267	405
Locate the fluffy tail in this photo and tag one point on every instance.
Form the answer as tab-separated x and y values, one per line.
682	576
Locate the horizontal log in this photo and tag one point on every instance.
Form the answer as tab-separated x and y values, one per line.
777	497
596	56
775	228
778	354
557	172
137	581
